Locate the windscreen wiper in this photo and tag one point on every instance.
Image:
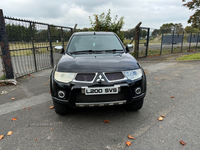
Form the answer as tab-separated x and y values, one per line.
114	50
85	51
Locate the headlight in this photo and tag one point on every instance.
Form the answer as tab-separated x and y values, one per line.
133	74
64	76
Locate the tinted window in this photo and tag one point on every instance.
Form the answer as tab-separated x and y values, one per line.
94	42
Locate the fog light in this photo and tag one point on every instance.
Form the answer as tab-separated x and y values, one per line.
61	94
138	90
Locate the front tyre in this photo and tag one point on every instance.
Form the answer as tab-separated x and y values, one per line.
62	109
135	105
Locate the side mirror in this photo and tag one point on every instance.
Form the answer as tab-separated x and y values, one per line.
59	49
129	47
62	51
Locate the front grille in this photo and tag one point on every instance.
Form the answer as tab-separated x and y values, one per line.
88	77
114	76
81	98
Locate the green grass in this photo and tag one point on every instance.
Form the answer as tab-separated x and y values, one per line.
3	77
22	45
195	56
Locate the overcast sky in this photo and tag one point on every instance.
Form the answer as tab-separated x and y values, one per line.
152	13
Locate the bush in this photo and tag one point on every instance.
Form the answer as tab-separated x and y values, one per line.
104	23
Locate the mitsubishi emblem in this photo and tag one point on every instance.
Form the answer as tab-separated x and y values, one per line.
100	79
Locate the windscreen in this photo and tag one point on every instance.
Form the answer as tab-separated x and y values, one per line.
94	42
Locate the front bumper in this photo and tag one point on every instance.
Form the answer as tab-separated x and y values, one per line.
76	98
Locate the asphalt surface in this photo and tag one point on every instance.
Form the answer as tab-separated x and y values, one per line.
39	127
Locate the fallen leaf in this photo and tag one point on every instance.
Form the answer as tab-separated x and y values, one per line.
24	107
1	137
51	128
49	92
150	92
130	137
13	119
172	96
160	119
163	116
157	82
52	107
29	75
156	77
49	79
160	126
106	121
46	84
183	143
35	139
10	133
32	76
13	98
29	108
128	143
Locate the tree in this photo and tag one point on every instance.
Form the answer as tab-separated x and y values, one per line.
104	23
195	18
129	34
178	28
189	29
169	27
155	32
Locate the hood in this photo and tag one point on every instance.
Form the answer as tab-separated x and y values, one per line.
86	63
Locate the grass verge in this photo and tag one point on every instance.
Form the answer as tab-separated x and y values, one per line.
195	56
3	77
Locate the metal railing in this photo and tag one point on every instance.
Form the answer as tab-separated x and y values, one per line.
164	42
31	44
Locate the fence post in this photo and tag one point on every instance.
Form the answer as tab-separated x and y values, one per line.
50	44
5	48
137	36
62	38
190	40
74	30
71	31
197	40
32	38
182	42
172	42
161	43
147	46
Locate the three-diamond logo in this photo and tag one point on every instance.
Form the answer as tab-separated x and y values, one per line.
100	79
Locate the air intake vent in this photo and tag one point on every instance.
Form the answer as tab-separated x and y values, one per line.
87	77
114	76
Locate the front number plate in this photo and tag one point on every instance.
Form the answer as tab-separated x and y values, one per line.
101	90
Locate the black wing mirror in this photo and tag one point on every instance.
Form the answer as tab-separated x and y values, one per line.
59	49
129	47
